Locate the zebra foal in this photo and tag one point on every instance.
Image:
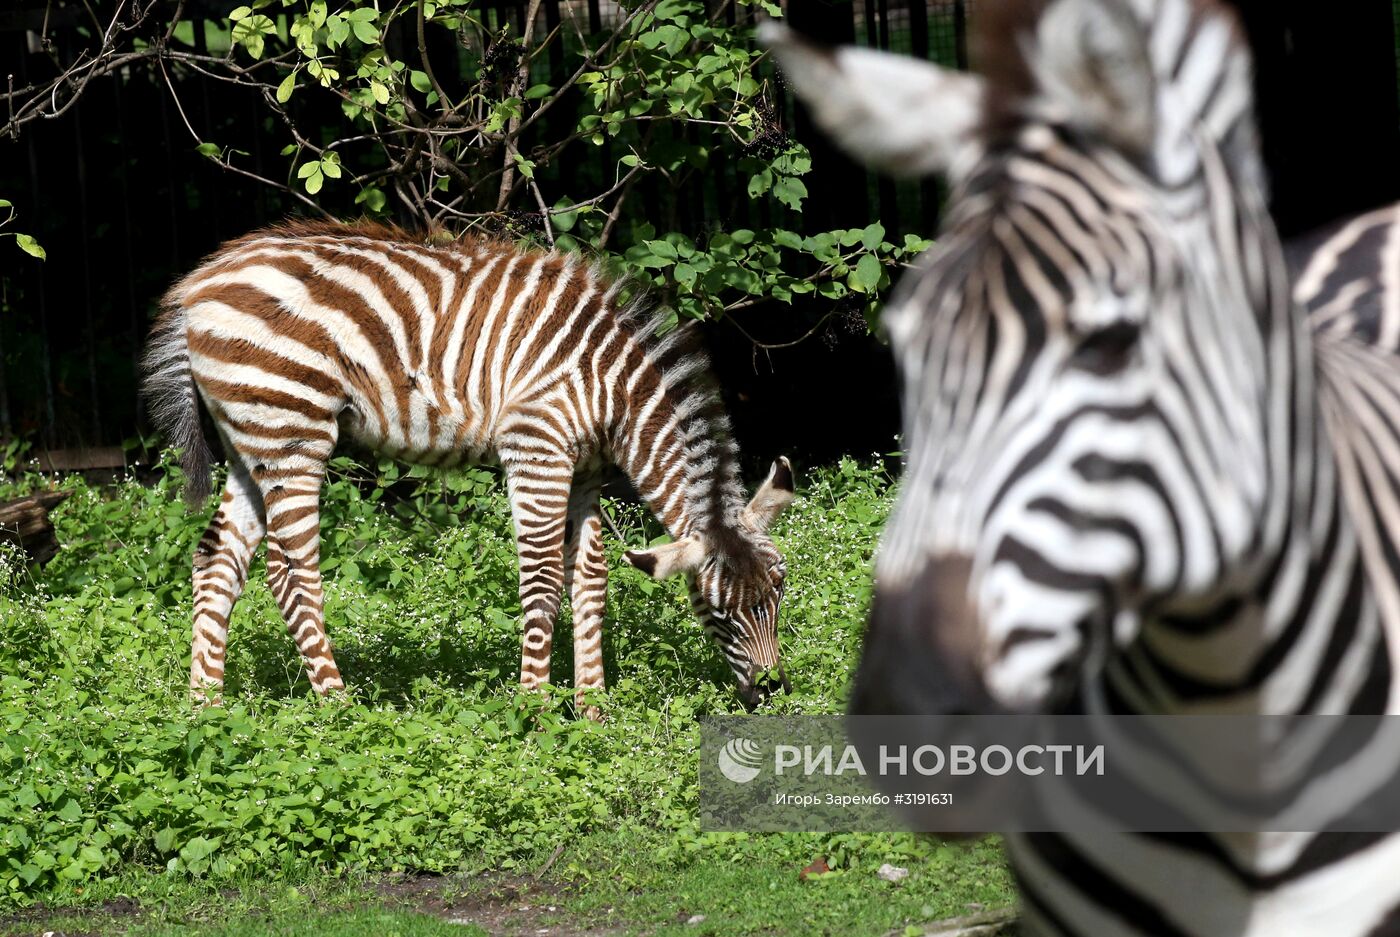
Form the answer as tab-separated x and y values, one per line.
1139	479
471	351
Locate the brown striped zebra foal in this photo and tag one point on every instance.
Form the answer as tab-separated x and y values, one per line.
471	351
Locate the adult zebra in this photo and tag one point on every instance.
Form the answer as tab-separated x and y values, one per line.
1137	480
1347	276
440	354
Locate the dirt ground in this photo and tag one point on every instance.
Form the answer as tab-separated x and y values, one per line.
504	907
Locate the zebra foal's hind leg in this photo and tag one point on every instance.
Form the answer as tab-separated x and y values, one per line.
586	578
285	455
220	570
292	495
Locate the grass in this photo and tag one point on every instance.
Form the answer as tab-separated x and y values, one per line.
114	790
353	923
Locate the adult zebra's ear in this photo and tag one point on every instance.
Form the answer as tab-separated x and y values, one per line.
1093	69
898	114
772	497
681	556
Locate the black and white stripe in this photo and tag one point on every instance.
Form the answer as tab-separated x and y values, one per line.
1139	480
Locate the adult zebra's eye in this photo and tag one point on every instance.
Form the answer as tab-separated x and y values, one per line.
1108	349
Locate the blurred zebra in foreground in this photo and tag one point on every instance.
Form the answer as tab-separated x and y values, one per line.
471	351
1139	480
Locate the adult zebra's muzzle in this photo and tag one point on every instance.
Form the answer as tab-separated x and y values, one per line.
921	647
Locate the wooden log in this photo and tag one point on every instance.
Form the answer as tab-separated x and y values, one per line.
998	923
25	522
80	460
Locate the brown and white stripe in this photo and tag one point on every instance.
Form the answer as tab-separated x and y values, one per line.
444	353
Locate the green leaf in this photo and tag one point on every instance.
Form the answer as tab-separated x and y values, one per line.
364	28
538	91
165	839
788	239
663	249
380	92
249	33
419	81
866	276
210	150
338	30
374	199
872	236
790	191
914	244
199	848
30	246
284	90
239	13
760	182
564	220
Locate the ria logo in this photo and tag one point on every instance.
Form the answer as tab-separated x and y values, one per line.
740	760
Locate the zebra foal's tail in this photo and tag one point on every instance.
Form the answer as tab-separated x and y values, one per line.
172	399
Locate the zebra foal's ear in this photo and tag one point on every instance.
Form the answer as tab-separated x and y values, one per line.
682	556
1093	65
772	497
895	113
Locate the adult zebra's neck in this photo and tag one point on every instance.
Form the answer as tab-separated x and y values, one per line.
1295	628
672	438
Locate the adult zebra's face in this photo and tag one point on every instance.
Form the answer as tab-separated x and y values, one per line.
736	584
1086	419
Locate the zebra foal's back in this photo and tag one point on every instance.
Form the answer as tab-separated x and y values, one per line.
417	351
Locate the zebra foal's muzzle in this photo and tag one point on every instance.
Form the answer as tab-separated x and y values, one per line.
921	647
762	683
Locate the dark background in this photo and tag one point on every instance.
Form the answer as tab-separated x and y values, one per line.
123	204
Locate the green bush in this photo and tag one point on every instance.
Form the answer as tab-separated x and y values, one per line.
434	760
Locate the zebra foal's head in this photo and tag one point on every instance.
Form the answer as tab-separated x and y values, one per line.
1092	400
736	577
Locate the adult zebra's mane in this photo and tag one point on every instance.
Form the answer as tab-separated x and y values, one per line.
1145	76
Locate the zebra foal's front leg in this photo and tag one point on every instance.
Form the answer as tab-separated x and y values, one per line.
586	577
539	501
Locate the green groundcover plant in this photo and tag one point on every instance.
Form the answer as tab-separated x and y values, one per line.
433	761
